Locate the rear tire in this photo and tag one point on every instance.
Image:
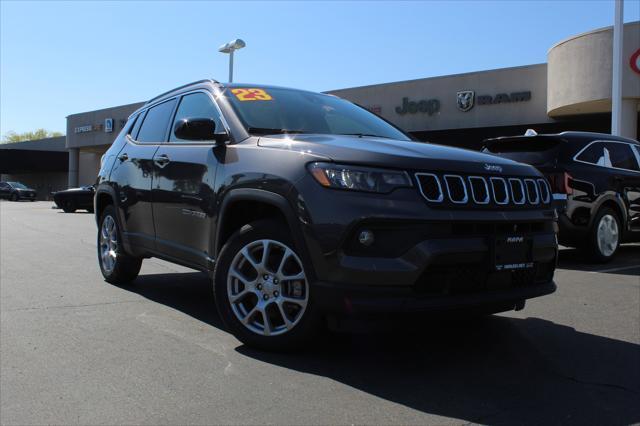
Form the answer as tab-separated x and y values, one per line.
604	237
14	197
117	267
69	206
266	301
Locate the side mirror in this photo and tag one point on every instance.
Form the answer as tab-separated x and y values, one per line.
197	129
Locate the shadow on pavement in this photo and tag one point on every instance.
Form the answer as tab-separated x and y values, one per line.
496	370
627	257
191	293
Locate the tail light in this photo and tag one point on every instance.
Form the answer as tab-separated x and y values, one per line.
560	183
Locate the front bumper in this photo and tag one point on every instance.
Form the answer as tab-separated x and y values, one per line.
26	195
438	274
422	258
357	300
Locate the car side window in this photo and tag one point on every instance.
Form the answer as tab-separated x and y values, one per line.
196	105
133	132
636	154
621	156
3	185
594	154
154	125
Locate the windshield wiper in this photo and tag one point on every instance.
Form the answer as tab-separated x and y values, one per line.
362	135
267	131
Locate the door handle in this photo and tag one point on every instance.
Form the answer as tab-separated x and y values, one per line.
123	157
161	160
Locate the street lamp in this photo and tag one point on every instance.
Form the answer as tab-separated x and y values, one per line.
229	48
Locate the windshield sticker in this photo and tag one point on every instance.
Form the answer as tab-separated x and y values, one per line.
251	94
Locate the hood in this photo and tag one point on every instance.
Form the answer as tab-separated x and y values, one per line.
381	152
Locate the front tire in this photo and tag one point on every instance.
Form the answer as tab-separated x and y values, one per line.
604	238
117	267
262	290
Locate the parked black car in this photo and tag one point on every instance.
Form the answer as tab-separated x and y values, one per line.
73	199
16	191
301	204
595	180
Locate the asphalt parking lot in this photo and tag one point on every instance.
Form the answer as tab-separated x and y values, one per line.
75	350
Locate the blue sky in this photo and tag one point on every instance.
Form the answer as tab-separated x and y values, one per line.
60	58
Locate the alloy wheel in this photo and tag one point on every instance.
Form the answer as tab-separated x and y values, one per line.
108	244
607	235
267	288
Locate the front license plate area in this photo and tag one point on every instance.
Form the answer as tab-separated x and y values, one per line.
512	252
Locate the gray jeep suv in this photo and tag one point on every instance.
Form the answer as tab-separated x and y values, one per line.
301	205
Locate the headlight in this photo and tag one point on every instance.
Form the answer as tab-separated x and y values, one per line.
359	178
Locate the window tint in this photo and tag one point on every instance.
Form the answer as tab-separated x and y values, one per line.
133	132
3	185
621	156
196	105
154	126
636	153
592	154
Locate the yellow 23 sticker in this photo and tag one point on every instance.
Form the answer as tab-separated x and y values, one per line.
251	94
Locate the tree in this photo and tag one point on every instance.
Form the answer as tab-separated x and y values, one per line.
12	136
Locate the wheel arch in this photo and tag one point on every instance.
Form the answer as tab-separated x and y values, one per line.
104	196
245	205
613	202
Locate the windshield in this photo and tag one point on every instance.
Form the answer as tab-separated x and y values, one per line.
17	185
276	110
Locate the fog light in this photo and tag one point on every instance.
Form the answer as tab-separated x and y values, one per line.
366	238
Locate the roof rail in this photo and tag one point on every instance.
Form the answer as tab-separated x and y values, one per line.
206	80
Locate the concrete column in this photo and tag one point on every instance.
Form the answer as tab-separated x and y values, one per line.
74	161
629	118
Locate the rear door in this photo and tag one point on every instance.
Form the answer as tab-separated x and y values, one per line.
133	174
183	186
626	178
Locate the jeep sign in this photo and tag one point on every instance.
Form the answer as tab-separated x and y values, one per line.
428	106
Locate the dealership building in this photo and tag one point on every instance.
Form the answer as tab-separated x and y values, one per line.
572	91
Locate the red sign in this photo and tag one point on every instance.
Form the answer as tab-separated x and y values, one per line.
635	61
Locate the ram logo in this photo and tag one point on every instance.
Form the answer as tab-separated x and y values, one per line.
464	100
493	168
513	240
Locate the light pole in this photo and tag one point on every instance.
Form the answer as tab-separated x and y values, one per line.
616	84
229	48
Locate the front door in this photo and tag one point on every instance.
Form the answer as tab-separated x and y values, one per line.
183	188
5	190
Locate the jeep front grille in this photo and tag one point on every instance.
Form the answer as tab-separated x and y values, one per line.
488	191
